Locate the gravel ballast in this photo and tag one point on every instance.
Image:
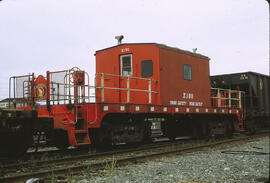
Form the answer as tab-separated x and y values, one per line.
247	162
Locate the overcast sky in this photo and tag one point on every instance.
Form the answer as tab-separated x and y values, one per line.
36	36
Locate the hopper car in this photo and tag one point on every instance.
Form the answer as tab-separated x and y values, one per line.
135	84
257	96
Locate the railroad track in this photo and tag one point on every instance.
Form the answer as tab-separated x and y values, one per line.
97	161
52	153
74	156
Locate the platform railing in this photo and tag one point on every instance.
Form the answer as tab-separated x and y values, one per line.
227	98
129	88
21	91
64	90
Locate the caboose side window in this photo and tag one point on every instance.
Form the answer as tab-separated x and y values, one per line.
147	68
126	65
187	72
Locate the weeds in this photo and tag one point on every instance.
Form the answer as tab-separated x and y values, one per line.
53	180
88	173
33	163
70	177
112	165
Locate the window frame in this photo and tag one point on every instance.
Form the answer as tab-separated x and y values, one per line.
121	64
189	76
147	73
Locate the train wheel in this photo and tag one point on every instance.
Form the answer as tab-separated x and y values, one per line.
60	139
60	146
24	143
172	133
197	129
195	133
215	130
103	140
212	134
251	126
229	129
172	137
169	129
147	133
205	129
84	148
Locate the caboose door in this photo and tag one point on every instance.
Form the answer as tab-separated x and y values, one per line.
124	81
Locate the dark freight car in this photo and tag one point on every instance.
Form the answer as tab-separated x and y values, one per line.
16	129
257	95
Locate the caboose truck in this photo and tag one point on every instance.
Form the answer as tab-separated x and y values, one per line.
134	84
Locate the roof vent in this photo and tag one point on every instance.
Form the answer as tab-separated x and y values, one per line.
119	39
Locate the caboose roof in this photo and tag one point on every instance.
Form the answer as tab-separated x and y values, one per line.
161	46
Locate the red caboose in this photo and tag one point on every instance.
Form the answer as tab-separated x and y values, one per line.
157	81
135	84
174	76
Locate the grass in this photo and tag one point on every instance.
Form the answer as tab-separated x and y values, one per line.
53	180
33	163
112	165
88	173
70	177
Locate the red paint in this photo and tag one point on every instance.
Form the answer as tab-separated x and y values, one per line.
167	73
40	89
173	94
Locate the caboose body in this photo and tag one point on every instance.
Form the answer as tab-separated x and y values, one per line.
175	76
135	84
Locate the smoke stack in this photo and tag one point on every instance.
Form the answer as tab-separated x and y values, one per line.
119	39
194	50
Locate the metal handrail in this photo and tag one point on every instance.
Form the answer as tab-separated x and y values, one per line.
105	74
128	89
218	91
15	89
82	92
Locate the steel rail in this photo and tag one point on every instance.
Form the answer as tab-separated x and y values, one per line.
122	160
94	155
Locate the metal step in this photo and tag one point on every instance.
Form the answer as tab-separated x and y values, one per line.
82	137
81	131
